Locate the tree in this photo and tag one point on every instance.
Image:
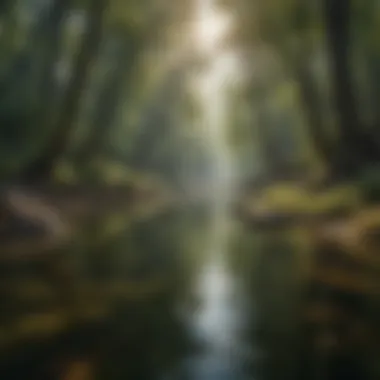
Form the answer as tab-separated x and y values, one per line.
295	28
42	167
51	30
357	145
112	90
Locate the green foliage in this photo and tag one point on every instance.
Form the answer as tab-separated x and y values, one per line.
369	184
291	33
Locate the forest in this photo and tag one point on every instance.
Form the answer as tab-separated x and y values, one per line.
143	143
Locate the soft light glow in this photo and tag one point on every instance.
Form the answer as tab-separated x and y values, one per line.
211	26
220	318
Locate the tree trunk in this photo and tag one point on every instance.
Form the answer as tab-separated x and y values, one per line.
309	98
357	146
268	151
41	169
9	27
374	70
52	48
108	100
297	62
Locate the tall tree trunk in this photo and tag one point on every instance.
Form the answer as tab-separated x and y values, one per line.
374	70
52	49
268	152
41	169
357	146
108	100
9	25
310	100
297	60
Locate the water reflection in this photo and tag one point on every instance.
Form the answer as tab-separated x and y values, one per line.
219	324
208	338
191	259
209	302
218	277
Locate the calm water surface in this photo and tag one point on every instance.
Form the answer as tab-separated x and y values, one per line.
206	325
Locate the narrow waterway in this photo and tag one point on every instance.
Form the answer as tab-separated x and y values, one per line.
219	320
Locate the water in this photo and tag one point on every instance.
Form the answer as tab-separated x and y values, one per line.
217	324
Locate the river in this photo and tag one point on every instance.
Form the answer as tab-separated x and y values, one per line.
205	324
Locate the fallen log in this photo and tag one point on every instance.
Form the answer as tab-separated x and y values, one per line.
36	221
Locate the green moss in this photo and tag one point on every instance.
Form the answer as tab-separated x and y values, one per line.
295	199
